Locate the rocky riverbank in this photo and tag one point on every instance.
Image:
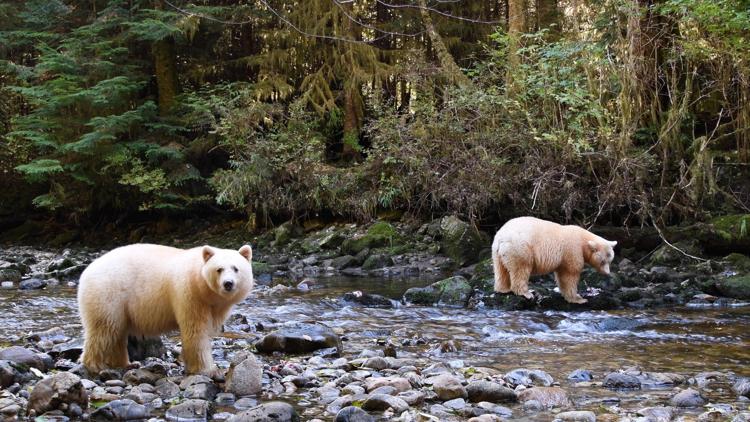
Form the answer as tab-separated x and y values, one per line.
447	250
300	376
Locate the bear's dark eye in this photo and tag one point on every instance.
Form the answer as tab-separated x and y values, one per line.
219	270
234	268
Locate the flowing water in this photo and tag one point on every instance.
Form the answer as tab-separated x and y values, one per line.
682	340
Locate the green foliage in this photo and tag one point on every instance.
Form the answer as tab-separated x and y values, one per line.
629	110
90	127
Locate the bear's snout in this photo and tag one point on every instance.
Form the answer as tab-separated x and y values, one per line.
228	285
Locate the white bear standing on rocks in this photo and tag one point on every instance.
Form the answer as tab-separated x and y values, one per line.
528	246
146	290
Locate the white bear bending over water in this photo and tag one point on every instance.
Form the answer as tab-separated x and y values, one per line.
528	246
147	290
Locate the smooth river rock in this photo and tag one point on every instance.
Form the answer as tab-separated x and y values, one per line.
688	398
619	380
121	410
353	414
528	377
62	388
448	387
299	338
192	409
546	396
378	402
479	391
274	411
23	356
742	387
576	416
245	379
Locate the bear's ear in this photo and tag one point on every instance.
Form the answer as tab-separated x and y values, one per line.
208	252
247	252
592	245
613	243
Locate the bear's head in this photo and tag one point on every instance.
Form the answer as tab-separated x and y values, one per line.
601	254
227	272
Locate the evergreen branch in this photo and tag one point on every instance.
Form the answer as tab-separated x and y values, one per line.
439	12
353	19
288	23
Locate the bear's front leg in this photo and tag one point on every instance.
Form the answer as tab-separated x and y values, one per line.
568	282
196	349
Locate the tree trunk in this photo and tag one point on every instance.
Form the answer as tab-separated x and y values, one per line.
516	28
165	66
548	17
350	150
742	121
448	65
351	147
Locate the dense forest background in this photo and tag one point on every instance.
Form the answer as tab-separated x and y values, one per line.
593	111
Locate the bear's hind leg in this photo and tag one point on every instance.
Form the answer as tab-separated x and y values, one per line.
105	346
519	279
568	283
502	278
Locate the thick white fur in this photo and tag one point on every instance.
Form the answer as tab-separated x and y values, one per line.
147	290
528	246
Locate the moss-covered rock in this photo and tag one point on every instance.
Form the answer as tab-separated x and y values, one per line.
428	295
668	255
483	269
377	261
329	238
342	262
261	268
9	274
738	262
286	232
733	226
453	291
461	241
507	301
378	235
592	278
737	287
